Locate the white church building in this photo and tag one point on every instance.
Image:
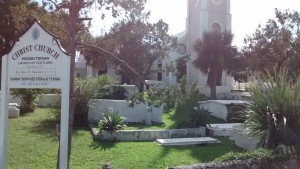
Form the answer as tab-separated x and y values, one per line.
202	15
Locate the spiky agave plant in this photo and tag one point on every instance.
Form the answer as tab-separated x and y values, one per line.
274	110
112	122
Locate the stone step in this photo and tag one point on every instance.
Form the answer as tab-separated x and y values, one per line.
187	141
226	129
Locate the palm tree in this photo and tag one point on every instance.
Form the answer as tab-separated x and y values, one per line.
214	55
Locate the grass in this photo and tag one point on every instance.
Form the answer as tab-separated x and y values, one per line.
173	118
33	145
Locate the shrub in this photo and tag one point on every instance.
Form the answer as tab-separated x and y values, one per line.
86	90
198	117
274	110
236	113
112	122
28	97
111	92
170	96
279	152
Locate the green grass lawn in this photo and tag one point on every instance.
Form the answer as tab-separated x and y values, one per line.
173	118
33	145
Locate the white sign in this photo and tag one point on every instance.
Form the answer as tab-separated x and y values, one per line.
36	61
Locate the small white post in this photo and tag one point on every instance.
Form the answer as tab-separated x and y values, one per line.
4	113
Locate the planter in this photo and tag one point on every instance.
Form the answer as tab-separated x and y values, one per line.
150	135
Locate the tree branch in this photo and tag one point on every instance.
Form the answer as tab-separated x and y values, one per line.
62	5
83	19
140	79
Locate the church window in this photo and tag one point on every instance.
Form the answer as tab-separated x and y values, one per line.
216	27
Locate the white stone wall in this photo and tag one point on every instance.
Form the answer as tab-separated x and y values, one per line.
151	135
224	129
243	140
138	113
48	100
221	91
218	108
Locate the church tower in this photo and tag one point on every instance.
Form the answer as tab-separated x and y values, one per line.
204	15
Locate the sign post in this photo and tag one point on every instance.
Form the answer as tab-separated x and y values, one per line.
36	61
4	116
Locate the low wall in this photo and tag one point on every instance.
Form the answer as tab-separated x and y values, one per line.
218	108
240	86
151	135
48	100
243	140
221	91
139	113
224	129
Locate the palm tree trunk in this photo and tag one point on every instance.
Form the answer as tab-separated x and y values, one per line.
212	82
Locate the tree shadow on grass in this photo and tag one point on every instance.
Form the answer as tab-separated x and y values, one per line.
45	127
103	145
202	153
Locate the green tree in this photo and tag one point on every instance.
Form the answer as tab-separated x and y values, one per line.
8	31
214	55
135	41
275	45
77	13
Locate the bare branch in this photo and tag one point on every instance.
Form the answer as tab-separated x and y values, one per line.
140	79
83	19
88	4
62	5
55	4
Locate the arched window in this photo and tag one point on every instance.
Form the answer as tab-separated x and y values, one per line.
216	27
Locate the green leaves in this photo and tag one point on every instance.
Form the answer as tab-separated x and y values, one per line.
88	89
112	122
273	110
275	45
214	55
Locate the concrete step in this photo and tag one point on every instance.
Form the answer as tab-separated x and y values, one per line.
187	141
226	129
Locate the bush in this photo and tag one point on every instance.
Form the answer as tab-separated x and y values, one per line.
28	97
198	117
236	113
279	152
274	110
111	92
112	122
87	88
171	96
